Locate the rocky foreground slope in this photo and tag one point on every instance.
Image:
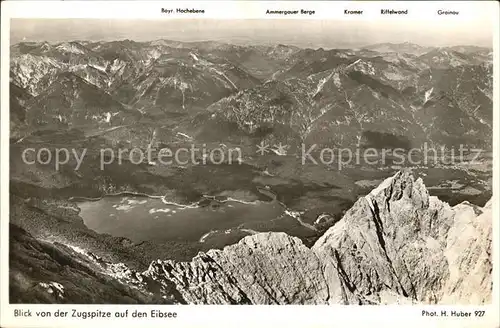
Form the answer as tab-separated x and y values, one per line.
395	245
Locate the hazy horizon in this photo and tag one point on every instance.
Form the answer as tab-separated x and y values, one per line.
301	33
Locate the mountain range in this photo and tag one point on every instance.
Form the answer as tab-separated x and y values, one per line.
336	97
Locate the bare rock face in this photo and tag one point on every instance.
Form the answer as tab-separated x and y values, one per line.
468	252
392	240
267	268
396	245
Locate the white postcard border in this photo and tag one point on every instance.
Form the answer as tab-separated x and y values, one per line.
242	316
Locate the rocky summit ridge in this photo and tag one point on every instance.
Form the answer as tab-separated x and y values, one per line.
395	245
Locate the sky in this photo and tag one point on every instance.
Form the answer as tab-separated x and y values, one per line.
302	33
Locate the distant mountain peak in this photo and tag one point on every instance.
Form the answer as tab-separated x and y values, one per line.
404	47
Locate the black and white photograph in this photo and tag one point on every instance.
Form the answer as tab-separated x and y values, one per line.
250	162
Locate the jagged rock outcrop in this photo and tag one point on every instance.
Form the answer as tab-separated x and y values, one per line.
468	253
391	240
396	245
268	268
